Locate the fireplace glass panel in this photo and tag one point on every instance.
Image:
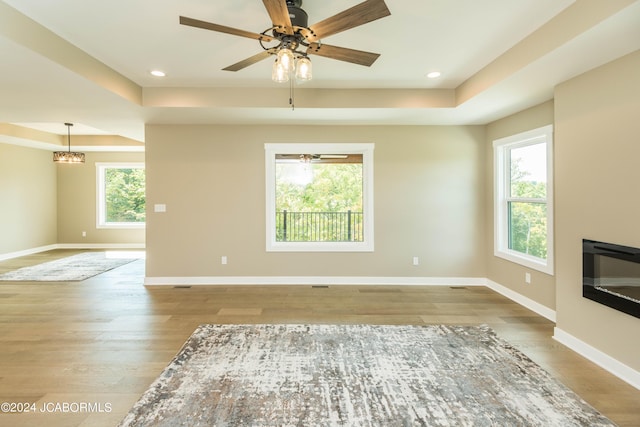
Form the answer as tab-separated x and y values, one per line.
611	275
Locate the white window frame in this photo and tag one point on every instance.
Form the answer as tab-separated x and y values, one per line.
502	177
101	167
366	149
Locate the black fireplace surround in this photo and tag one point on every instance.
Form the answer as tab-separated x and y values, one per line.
611	275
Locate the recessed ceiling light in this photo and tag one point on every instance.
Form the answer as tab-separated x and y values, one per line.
434	74
158	73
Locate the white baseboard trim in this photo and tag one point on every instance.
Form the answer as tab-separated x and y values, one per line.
100	246
313	280
11	255
615	367
542	310
601	359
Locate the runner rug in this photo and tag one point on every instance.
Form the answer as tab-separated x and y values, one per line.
355	375
69	269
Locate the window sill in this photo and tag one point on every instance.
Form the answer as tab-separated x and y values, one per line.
544	266
121	226
320	247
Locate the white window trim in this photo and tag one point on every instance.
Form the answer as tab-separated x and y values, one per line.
100	195
366	149
501	190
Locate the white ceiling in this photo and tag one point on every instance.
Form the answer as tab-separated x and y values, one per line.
459	38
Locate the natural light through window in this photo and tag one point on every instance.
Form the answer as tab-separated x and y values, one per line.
120	195
523	199
319	197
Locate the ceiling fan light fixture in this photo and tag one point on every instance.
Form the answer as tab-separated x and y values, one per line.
279	74
286	58
68	156
303	69
290	36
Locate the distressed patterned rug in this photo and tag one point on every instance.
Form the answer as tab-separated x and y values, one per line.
69	269
355	375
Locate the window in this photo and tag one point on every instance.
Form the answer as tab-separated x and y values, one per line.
319	197
523	198
121	195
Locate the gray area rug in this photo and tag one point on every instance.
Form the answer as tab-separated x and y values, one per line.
69	269
355	375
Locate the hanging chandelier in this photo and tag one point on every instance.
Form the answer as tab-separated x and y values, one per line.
68	156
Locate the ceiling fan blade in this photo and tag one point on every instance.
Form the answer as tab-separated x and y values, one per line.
343	54
249	61
360	14
222	29
279	14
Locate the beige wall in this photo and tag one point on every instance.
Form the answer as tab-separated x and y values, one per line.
429	202
506	273
433	199
77	203
27	199
597	126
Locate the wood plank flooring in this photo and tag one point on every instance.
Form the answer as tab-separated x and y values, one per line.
102	341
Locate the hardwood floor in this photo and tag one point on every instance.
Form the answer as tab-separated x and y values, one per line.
102	341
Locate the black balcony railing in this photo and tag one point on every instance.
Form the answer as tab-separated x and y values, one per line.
319	226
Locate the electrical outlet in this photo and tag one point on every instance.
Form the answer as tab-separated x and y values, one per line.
223	260
416	260
84	234
527	278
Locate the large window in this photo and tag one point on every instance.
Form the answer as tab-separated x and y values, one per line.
319	197
524	199
121	195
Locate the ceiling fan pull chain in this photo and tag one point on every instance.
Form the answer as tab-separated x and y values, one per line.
291	95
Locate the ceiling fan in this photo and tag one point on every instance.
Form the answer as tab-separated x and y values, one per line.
290	31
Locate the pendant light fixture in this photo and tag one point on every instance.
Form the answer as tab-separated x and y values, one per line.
68	156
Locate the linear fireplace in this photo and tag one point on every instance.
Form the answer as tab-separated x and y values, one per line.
611	275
